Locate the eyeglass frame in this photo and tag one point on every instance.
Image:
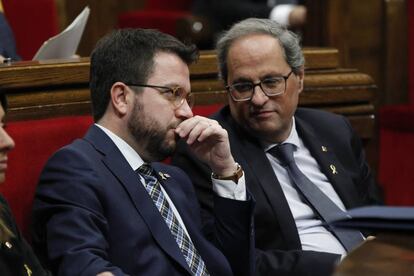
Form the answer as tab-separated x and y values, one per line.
285	78
168	89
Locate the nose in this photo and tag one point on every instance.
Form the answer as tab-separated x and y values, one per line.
260	97
6	142
184	111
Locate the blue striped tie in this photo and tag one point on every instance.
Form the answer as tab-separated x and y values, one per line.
153	187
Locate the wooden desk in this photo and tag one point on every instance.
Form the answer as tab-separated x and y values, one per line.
390	254
60	88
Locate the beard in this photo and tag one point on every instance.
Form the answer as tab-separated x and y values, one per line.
150	135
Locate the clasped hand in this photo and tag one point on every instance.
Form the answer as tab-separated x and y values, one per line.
209	142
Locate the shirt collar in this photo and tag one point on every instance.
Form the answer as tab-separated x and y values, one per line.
132	157
293	138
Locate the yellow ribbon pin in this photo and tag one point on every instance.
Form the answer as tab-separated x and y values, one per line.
28	270
333	168
164	176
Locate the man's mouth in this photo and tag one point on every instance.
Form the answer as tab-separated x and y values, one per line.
3	164
262	113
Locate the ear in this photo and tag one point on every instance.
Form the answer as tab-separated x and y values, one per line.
300	77
120	98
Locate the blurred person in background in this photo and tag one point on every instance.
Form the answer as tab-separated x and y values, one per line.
221	14
7	43
16	256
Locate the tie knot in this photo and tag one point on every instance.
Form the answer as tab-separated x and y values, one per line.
146	169
283	152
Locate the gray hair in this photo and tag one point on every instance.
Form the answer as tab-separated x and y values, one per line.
288	40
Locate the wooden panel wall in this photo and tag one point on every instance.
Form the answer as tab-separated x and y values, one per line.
371	35
56	89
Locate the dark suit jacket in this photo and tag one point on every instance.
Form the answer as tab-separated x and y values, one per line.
277	240
91	213
15	259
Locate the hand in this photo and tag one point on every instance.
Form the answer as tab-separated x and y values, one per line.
106	273
297	17
209	142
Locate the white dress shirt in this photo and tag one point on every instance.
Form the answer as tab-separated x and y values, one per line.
313	235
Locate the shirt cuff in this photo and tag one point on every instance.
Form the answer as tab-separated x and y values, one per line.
229	189
281	13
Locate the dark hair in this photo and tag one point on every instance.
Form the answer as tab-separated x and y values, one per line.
288	40
127	55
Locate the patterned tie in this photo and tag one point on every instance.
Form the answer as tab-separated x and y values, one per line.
321	203
153	187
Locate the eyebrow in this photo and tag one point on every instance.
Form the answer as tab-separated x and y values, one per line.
268	76
242	79
169	84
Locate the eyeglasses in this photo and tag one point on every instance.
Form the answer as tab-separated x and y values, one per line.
244	91
176	95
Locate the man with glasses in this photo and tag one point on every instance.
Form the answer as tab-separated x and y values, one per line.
105	206
302	166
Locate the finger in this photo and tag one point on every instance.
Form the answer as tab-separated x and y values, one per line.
185	127
215	131
196	131
203	130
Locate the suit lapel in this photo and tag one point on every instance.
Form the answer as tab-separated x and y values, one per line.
257	167
118	165
329	164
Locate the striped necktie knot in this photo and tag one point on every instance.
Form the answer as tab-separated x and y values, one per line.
146	170
284	153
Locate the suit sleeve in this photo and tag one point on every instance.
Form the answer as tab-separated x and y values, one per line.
367	187
278	262
229	226
234	233
69	225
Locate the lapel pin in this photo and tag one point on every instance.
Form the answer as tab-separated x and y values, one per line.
28	270
164	176
333	168
324	149
8	244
